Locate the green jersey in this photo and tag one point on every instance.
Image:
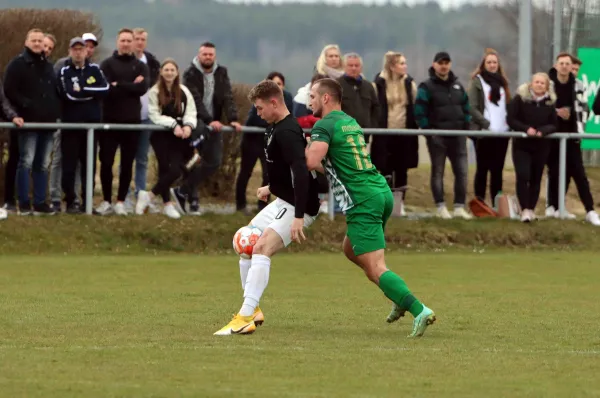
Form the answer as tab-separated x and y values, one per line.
352	176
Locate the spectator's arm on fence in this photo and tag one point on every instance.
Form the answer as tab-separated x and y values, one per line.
422	107
12	82
6	107
229	103
513	117
551	126
475	93
155	113
190	117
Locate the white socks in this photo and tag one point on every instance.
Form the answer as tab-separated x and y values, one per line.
256	283
244	267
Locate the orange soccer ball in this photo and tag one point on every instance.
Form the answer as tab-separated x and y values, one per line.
244	240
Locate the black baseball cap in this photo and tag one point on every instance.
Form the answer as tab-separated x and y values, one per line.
442	56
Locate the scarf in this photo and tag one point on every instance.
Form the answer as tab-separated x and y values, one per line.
333	73
496	82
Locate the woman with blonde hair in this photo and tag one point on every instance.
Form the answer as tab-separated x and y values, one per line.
170	104
488	97
532	111
330	64
394	155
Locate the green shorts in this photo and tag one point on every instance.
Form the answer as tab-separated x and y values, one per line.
366	223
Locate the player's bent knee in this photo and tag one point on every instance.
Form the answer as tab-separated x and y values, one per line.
269	243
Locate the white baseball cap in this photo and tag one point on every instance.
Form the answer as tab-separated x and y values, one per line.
90	37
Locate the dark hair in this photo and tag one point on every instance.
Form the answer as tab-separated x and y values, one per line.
208	44
125	30
164	96
331	87
564	54
265	90
576	61
317	76
275	74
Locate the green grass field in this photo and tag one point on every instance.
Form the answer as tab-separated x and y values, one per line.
509	325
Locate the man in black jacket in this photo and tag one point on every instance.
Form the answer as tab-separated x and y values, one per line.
565	86
8	113
359	98
30	85
81	86
442	104
209	84
128	78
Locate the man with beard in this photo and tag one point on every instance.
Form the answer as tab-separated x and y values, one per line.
209	84
338	148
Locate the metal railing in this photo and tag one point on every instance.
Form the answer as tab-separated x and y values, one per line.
91	128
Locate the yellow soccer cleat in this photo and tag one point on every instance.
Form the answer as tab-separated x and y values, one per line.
258	317
238	325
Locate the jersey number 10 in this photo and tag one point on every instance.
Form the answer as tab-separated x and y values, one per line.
359	149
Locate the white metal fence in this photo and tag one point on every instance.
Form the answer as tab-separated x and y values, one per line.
92	128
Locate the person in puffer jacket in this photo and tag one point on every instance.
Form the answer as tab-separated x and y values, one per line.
531	111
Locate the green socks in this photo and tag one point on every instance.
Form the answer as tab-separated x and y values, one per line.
396	290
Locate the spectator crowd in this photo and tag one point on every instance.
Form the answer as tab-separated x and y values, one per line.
131	86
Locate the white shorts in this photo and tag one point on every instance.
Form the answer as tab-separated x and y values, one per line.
278	215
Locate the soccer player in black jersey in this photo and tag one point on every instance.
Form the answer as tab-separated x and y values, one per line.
283	220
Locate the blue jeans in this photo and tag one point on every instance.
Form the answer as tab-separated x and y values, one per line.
141	160
34	150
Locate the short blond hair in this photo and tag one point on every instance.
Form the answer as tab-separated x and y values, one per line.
34	30
139	31
543	75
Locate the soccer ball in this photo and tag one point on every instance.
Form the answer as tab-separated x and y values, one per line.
244	240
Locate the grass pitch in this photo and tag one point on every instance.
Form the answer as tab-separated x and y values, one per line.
509	324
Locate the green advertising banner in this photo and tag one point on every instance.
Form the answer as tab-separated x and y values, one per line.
590	75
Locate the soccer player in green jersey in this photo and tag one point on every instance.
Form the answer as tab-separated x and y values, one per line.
338	149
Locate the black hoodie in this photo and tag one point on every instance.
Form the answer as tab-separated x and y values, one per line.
565	96
122	105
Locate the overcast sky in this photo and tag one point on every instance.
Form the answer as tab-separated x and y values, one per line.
443	3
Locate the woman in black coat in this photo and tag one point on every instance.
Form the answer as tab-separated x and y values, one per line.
531	111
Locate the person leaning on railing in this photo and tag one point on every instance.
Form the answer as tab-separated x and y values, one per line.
170	104
531	111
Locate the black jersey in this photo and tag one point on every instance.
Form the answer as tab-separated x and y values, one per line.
289	177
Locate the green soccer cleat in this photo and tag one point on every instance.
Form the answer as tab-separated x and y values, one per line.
395	314
424	319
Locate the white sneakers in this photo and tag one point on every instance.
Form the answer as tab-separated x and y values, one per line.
551	212
459	212
170	211
527	215
592	218
143	202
